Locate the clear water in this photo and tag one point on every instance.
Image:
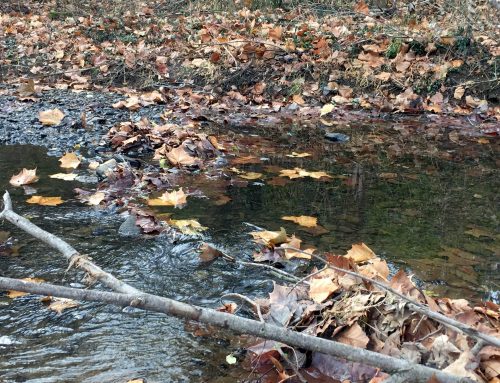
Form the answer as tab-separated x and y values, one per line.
417	220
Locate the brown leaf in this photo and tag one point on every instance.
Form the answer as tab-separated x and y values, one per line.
270	237
353	336
209	253
302	220
359	252
179	157
16	294
60	304
69	161
51	117
321	288
25	177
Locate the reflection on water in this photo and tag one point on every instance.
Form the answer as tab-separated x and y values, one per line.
435	218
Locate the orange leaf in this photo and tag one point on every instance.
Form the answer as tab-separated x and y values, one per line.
45	201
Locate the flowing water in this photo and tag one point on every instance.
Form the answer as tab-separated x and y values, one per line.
436	217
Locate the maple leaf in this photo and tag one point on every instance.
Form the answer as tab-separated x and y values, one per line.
25	177
69	161
302	220
45	201
51	117
179	157
175	198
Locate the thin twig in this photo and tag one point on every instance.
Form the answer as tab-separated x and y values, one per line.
254	304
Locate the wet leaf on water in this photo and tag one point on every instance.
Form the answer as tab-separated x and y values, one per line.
59	304
269	238
359	252
298	155
96	198
278	181
300	173
302	220
69	161
187	226
51	117
246	160
16	294
64	176
251	175
209	253
176	198
45	201
25	177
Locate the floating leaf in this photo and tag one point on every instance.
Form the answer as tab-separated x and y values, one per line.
270	237
25	177
359	252
69	161
251	176
300	173
209	253
175	198
59	304
302	220
188	226
298	155
64	176
45	201
51	117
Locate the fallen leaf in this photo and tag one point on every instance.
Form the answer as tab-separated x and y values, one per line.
353	336
459	93
327	108
359	252
187	226
64	176
251	176
302	220
321	288
69	161
60	304
209	253
179	157
298	155
300	173
51	117
175	198
362	7
45	201
25	177
96	198
270	238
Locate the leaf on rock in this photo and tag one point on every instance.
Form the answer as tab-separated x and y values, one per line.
69	161
179	157
16	294
359	252
45	201
51	117
269	238
353	336
25	177
176	198
188	226
302	220
64	176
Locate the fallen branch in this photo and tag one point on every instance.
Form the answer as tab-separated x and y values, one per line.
414	372
71	254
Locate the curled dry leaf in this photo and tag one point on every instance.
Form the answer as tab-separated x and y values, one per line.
45	201
270	238
176	198
69	161
302	220
51	117
209	253
64	176
25	177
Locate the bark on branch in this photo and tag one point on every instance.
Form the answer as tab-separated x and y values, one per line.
414	372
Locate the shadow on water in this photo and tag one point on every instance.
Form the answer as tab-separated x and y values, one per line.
433	217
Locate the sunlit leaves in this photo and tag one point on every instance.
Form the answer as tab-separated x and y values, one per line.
96	198
45	201
251	175
359	252
327	108
51	117
176	198
301	173
25	177
298	155
302	220
270	237
69	161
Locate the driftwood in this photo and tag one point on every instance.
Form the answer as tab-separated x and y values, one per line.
413	372
129	296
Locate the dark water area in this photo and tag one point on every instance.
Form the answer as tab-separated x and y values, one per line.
435	217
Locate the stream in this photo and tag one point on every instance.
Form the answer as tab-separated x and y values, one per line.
435	217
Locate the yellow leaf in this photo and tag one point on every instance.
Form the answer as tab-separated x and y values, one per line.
321	288
69	161
251	175
327	108
359	252
64	176
16	294
270	237
25	177
60	304
45	201
51	117
187	226
298	155
174	198
96	198
302	220
300	173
